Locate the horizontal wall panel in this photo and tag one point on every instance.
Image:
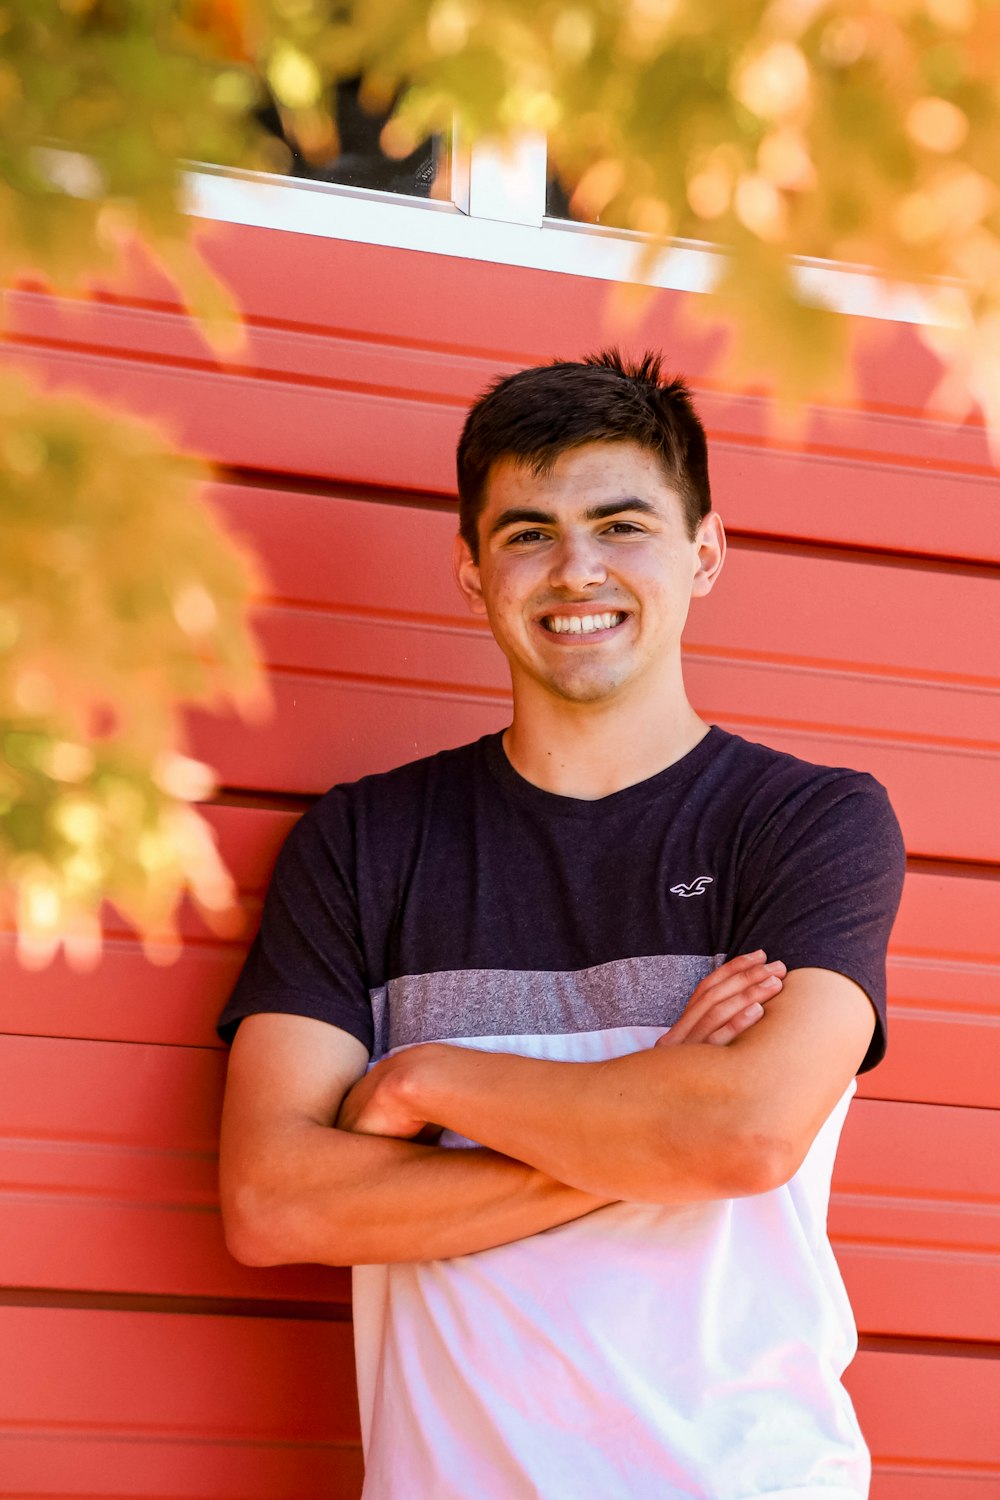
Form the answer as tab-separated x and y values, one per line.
521	316
946	913
949	913
384	559
249	839
350	351
912	1174
899	1482
108	1175
940	714
837	498
125	997
343	351
107	1183
944	989
102	1466
502	312
852	500
915	1219
337	358
327	729
931	1417
922	1293
177	1377
71	1235
192	1395
270	424
118	1095
854	615
937	1055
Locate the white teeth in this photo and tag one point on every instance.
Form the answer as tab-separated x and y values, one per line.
583	624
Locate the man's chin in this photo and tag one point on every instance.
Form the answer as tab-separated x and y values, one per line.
585	688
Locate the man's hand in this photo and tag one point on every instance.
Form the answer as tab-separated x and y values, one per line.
294	1190
723	1005
728	1001
377	1105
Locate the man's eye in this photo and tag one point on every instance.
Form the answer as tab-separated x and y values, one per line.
624	528
526	536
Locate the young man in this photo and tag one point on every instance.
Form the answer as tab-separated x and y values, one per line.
554	944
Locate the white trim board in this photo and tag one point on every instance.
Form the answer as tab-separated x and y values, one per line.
298	206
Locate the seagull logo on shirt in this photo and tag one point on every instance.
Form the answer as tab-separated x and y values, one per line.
695	887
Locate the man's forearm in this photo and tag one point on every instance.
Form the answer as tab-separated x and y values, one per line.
321	1194
674	1124
654	1126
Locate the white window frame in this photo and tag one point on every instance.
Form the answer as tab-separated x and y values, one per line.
497	214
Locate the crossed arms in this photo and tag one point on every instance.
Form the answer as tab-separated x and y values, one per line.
318	1160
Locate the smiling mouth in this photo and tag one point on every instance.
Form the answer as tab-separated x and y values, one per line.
582	624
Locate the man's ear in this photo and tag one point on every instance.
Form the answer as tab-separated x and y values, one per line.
467	576
711	541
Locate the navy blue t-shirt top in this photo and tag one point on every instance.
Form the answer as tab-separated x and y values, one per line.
418	904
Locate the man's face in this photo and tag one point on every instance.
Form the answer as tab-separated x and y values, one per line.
586	573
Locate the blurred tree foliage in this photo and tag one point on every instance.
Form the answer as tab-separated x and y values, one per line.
99	102
863	131
121	599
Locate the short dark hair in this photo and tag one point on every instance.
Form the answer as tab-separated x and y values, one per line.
537	414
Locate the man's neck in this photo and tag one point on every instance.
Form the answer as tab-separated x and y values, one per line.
589	751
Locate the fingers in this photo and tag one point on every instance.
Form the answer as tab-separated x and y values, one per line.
731	1029
725	1012
735	974
728	1001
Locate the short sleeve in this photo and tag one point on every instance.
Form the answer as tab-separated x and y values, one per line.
307	958
821	887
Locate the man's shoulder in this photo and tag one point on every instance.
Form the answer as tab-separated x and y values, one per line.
767	789
775	771
403	788
376	822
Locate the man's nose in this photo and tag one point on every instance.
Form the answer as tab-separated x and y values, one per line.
577	564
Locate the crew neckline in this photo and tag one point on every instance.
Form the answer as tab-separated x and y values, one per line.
544	801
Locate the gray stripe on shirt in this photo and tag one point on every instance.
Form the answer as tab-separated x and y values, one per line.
649	991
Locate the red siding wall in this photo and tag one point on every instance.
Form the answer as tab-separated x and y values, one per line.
856	625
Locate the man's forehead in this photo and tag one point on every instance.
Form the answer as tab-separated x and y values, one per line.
580	480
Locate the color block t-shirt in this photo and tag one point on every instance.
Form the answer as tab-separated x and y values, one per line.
643	1352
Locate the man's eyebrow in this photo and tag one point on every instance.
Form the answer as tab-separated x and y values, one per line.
615	508
524	516
521	516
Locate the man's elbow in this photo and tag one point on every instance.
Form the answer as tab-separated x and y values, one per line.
758	1162
245	1244
739	1164
258	1229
